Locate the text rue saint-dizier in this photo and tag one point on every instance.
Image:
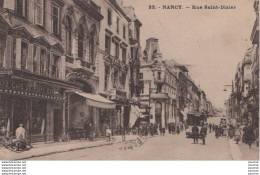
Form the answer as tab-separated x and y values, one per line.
193	7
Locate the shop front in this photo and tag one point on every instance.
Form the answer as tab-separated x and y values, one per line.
38	105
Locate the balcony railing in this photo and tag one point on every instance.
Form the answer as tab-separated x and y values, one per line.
84	65
159	79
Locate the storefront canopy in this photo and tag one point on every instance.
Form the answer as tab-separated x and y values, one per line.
96	100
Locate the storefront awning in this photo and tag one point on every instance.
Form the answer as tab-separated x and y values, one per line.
96	100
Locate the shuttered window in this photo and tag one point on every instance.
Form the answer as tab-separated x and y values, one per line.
39	16
21	8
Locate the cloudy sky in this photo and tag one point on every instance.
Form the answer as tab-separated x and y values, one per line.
213	42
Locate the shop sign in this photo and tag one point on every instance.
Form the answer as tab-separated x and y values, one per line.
29	88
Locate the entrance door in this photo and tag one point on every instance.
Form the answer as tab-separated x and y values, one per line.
57	115
158	113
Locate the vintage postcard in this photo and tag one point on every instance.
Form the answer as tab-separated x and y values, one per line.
129	80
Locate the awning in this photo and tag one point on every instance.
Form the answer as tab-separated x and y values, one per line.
96	100
135	114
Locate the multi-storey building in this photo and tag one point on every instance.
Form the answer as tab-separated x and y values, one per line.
119	65
49	66
159	85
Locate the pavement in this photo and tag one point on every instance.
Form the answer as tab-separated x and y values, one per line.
168	147
44	149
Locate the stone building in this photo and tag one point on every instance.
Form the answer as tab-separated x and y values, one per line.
159	82
49	67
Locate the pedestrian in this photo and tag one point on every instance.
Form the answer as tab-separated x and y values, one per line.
108	133
216	131
160	129
173	128
203	133
178	129
250	135
20	134
244	137
210	126
213	127
257	136
169	128
195	133
163	130
237	134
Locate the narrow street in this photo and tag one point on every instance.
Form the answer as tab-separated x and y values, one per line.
169	147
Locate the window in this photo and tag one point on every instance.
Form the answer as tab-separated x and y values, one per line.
132	52
55	20
117	25
124	55
81	42
142	88
123	78
21	8
43	62
124	31
91	49
115	82
137	34
109	17
159	75
159	88
116	49
69	36
39	12
55	66
106	77
107	43
140	76
24	54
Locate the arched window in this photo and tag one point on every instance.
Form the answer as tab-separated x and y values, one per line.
81	42
68	36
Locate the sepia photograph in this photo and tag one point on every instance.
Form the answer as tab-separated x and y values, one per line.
129	80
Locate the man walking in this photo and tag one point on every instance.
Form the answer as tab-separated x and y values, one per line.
210	126
195	133
203	133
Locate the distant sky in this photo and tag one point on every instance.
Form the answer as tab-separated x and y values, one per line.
213	42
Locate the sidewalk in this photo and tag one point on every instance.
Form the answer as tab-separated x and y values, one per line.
242	151
42	149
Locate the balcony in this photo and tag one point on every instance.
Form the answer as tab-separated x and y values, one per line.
159	95
255	33
159	79
85	66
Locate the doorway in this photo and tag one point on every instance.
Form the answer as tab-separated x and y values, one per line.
158	113
57	117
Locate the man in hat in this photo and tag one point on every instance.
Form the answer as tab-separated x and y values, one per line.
203	133
195	133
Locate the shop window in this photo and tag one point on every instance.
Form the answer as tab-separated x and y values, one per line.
124	55
22	8
55	20
39	12
24	54
69	36
81	42
116	50
38	117
55	66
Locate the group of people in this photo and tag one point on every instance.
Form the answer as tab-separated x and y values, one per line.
196	133
247	134
175	128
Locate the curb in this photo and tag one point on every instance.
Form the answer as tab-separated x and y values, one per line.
71	149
